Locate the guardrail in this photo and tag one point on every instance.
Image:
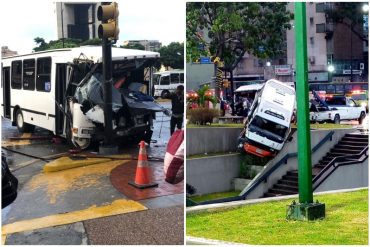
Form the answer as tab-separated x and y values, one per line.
265	176
337	162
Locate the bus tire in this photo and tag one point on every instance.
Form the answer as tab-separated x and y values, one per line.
21	125
361	118
337	119
165	94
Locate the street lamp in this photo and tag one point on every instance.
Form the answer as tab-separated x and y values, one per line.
365	8
330	70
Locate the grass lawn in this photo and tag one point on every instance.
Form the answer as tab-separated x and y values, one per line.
346	222
213	196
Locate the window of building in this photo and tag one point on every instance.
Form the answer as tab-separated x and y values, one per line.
29	74
312	40
320	7
311	21
320	28
182	78
43	81
348	88
16	80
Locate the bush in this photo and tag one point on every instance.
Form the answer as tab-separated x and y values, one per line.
246	170
202	115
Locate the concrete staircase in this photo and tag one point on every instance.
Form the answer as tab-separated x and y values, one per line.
349	144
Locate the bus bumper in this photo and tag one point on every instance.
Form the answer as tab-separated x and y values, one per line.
257	151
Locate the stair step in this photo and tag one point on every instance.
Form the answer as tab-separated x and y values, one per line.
281	192
293	189
351	143
289	182
352	139
359	136
268	194
345	151
290	178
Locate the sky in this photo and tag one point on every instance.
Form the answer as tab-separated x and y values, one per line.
22	21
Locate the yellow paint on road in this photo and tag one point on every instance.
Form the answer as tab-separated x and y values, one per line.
3	239
65	163
58	183
116	207
10	143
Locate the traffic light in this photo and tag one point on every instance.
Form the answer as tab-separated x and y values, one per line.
108	15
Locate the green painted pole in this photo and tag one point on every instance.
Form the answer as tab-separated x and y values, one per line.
303	121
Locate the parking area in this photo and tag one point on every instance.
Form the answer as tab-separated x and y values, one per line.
69	199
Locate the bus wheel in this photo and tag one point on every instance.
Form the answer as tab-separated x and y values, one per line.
21	125
337	119
165	94
361	118
83	143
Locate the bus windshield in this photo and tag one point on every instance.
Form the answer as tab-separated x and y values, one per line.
274	129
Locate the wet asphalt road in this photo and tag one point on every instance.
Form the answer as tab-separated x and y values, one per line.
164	212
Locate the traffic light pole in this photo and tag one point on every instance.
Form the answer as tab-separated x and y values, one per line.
305	209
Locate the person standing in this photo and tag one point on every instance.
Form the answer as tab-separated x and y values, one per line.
177	117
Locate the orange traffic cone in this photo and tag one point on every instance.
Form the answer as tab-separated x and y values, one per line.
143	171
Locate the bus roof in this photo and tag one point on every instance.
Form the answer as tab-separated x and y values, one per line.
93	53
252	87
168	72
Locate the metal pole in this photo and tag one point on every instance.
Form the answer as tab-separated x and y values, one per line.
303	126
107	91
61	10
351	52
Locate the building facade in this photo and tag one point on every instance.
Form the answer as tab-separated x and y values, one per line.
330	43
6	52
77	20
150	45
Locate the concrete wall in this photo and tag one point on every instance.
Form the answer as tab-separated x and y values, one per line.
347	177
213	174
211	140
292	163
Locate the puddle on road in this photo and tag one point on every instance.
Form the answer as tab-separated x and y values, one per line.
58	183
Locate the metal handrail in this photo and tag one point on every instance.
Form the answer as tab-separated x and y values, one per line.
335	163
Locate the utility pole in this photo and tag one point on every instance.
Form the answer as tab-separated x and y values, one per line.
306	209
108	31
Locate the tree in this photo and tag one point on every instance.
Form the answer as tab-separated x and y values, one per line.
136	46
235	28
173	55
55	44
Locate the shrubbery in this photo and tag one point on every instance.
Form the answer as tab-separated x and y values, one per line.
202	115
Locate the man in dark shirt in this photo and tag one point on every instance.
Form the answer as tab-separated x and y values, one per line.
177	100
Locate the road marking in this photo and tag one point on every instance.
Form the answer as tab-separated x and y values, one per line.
120	206
65	163
9	143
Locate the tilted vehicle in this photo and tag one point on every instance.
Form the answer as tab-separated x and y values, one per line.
268	124
61	90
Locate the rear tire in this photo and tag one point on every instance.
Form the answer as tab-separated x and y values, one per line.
361	118
337	119
165	94
21	125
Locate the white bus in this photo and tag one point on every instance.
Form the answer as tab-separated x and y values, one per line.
166	82
61	91
269	119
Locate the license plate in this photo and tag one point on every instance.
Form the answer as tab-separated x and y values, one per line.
260	151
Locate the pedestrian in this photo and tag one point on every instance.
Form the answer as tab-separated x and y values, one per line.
177	100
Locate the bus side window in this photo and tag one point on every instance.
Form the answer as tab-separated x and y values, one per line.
43	81
165	80
29	74
182	78
175	79
16	80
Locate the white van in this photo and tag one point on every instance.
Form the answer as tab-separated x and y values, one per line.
269	119
166	82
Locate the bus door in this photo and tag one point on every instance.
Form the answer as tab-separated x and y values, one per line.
60	89
6	92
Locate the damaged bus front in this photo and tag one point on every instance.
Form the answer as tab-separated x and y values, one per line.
133	108
268	124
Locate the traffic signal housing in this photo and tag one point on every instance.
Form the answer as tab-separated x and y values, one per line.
108	15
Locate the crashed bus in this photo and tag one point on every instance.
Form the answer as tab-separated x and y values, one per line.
268	122
61	91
